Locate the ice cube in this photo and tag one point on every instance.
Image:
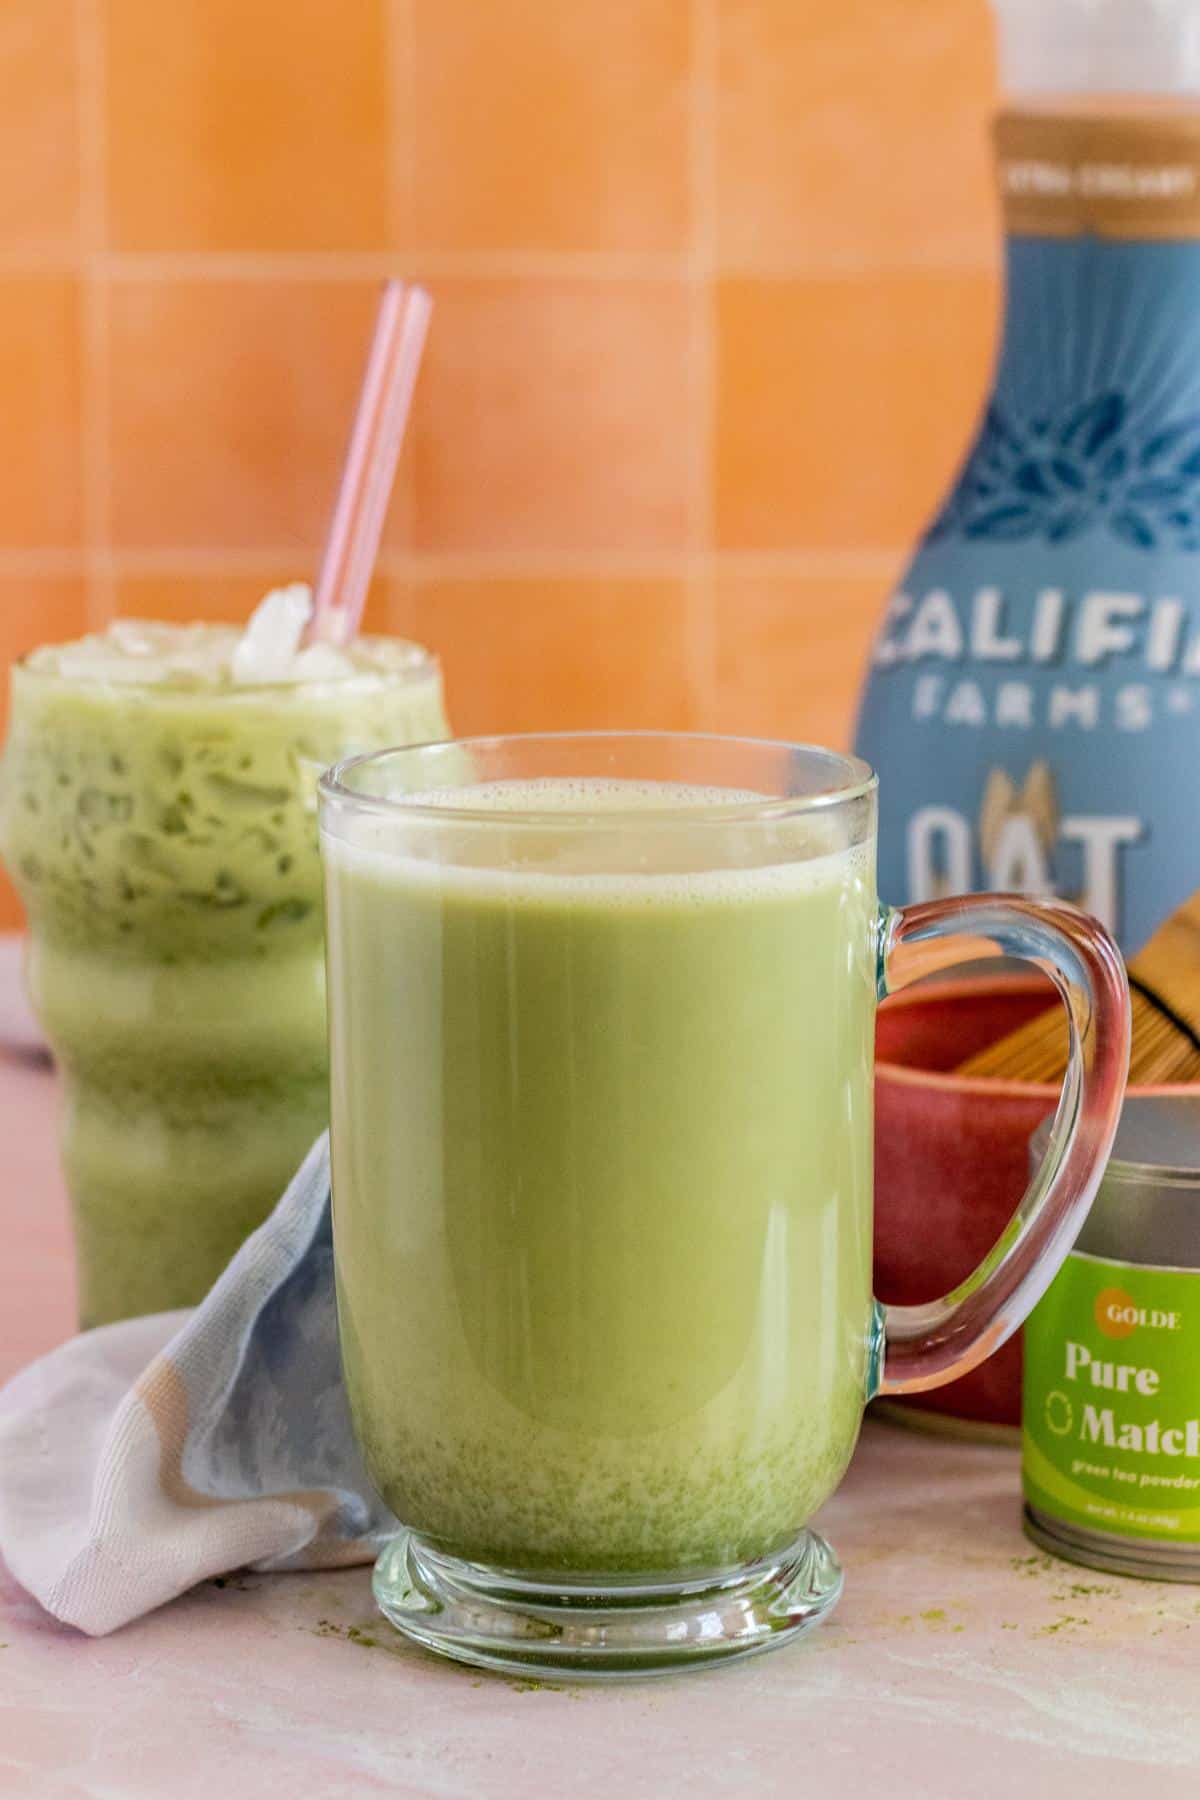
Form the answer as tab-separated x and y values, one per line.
268	646
134	637
321	662
90	661
145	651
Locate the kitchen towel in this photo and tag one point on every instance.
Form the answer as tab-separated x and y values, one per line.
143	1457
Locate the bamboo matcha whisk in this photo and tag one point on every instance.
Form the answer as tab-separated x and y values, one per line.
1164	983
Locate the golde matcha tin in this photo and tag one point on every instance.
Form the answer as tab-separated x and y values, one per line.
1111	1413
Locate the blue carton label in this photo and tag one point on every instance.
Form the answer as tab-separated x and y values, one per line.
1033	702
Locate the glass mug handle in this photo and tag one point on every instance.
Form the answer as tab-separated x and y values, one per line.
927	1345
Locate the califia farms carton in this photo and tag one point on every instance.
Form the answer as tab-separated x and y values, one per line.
1033	701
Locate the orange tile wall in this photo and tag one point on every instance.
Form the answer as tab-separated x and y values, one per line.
715	286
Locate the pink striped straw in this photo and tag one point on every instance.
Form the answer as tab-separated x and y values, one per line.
348	561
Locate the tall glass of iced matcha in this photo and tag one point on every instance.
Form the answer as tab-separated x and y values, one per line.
601	1014
159	820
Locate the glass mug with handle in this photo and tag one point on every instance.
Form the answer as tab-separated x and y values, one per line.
602	1016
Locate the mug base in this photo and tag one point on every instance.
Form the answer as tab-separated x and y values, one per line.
609	1632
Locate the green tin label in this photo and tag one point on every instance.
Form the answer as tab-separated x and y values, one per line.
1111	1419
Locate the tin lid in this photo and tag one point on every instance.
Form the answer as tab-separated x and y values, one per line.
1147	1209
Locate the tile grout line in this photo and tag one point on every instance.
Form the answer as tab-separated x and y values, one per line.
182	561
94	333
704	150
484	566
22	563
702	153
39	262
373	265
395	100
341	266
400	25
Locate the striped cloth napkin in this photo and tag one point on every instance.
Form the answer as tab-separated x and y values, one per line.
143	1457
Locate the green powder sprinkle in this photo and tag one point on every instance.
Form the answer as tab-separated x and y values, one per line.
1060	1625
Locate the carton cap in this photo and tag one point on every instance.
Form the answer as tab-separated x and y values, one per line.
1127	47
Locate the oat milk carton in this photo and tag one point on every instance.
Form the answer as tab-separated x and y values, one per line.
1033	702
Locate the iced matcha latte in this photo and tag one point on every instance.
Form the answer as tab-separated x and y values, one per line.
159	821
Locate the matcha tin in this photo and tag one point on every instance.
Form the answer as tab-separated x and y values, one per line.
1111	1413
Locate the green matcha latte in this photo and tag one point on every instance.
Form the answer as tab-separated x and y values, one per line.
158	819
601	1173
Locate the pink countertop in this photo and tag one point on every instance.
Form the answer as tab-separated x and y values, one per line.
960	1662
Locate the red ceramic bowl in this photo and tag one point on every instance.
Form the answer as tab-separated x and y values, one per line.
952	1161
